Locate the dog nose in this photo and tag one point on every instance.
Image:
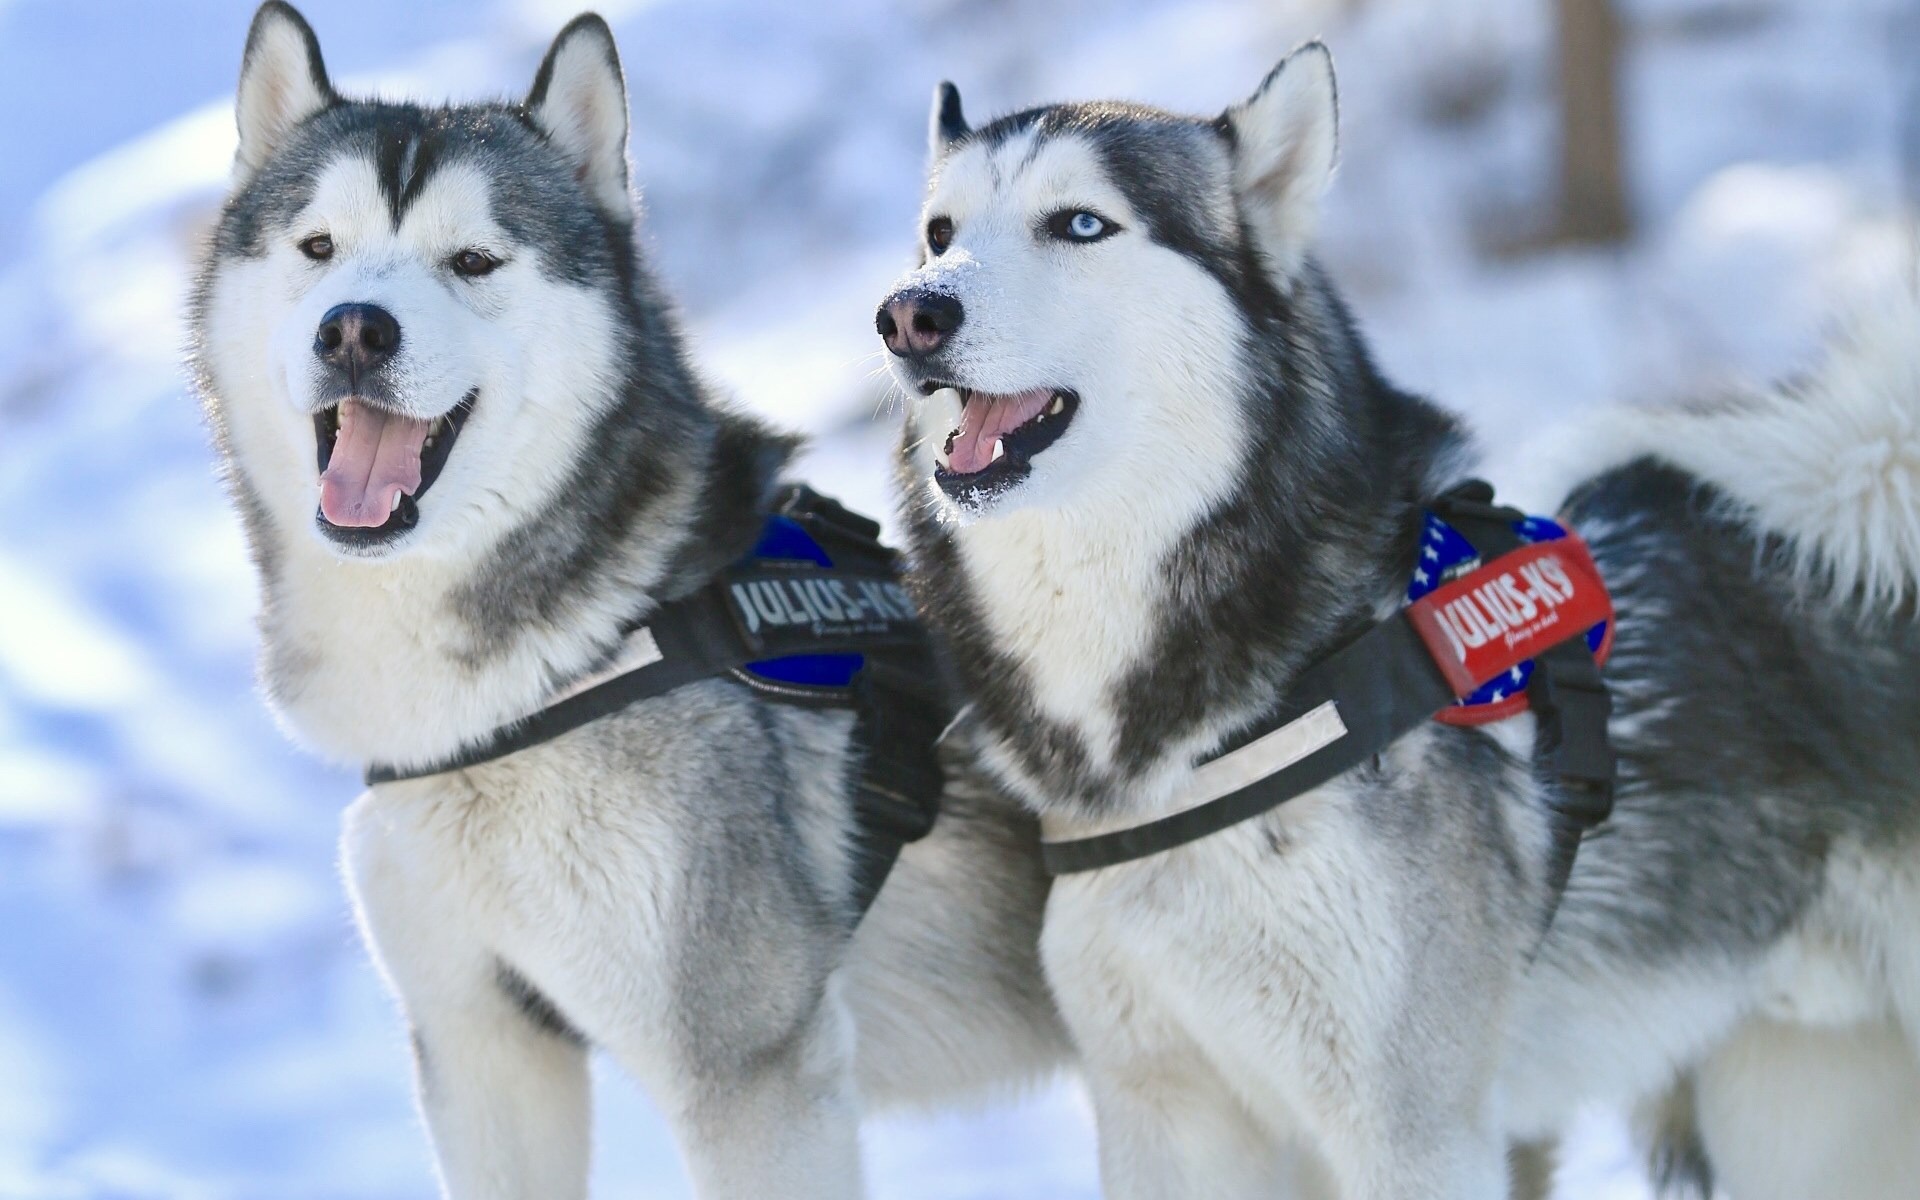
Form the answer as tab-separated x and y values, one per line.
916	322
356	338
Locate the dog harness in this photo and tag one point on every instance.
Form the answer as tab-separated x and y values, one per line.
814	617
1506	613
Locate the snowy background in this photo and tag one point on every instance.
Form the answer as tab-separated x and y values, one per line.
184	1011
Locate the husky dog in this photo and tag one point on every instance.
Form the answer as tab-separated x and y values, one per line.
1155	474
432	322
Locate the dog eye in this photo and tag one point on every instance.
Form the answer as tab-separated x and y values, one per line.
1080	225
319	247
473	263
939	234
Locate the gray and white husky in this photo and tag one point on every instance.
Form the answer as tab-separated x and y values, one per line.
432	324
1151	473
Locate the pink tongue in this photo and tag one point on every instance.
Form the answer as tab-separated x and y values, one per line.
987	419
375	458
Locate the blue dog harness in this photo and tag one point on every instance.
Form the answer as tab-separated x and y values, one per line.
814	616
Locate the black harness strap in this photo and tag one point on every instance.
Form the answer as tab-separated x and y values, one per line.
1382	686
896	799
899	706
1567	696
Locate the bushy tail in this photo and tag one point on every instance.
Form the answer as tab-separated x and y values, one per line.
1829	461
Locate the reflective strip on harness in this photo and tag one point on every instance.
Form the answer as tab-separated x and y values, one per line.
1490	621
1267	754
638	649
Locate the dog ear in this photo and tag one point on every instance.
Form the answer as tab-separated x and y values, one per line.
1285	140
947	125
579	100
282	82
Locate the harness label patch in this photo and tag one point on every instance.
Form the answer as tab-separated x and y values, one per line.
1488	622
799	611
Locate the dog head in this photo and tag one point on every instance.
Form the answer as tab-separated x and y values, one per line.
1090	278
410	313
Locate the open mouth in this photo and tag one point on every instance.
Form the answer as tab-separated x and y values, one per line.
375	465
998	437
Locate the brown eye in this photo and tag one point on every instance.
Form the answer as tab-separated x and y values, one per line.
939	234
319	247
474	263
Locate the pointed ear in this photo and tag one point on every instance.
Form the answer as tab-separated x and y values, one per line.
1285	141
282	82
947	124
579	99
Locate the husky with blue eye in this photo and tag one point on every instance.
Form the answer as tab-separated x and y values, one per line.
470	454
1153	480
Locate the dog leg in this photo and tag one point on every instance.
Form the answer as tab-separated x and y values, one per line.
1530	1167
1174	1125
1668	1129
1896	925
780	1121
1178	1138
1414	1124
1396	1118
501	1079
1790	1111
1461	1165
1170	1125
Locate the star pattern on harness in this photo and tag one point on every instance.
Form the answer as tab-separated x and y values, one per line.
1445	555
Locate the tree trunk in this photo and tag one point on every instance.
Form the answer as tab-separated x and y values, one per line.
1593	187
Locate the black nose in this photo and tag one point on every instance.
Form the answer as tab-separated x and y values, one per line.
915	322
356	338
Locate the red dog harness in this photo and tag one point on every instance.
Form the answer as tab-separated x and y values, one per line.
1507	613
1485	627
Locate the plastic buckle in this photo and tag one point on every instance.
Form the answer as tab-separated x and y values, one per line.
803	504
1473	501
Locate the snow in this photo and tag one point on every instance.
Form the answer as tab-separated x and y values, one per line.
184	1010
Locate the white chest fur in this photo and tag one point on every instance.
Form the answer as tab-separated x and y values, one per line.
1073	605
374	661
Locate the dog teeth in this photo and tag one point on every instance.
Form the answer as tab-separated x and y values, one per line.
1058	406
429	441
396	504
999	448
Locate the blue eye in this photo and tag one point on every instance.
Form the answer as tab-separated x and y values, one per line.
1080	225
